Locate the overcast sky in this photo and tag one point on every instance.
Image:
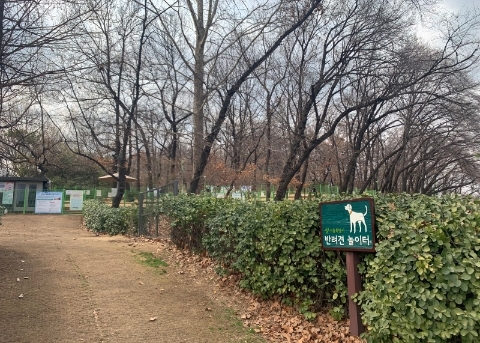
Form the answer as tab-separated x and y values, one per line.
464	6
456	5
447	7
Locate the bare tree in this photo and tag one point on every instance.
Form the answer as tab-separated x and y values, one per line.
29	31
349	40
167	89
244	27
103	97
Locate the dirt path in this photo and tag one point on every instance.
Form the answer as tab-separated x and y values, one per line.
78	287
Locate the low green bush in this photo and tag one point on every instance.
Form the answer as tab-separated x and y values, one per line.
274	245
188	214
131	195
101	218
276	248
423	284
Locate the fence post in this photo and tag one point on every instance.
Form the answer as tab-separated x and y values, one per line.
25	199
63	201
140	213
156	214
175	187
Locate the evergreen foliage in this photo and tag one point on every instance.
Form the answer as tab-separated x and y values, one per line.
421	285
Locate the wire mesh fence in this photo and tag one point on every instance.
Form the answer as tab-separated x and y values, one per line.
148	204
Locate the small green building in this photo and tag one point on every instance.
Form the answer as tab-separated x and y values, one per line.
17	194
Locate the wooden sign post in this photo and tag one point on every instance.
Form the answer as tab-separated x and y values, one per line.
349	226
354	285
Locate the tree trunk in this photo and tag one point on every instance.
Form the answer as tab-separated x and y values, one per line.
198	89
303	176
268	191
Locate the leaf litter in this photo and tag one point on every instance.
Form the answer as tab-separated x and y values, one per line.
275	321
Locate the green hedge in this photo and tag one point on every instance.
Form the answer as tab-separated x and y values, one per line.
188	214
421	285
101	218
274	245
276	248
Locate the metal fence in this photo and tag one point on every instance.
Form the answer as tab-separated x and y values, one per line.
148	202
24	200
246	192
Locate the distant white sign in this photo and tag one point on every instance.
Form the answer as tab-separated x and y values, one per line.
48	202
76	200
236	195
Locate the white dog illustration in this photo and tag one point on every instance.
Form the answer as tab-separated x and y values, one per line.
356	217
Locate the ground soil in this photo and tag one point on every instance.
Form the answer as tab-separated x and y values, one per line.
62	283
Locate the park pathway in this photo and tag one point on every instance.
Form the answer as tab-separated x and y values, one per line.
61	283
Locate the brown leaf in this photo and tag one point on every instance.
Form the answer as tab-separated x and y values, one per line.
287	336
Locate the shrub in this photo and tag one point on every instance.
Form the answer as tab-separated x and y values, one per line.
131	195
188	214
423	285
99	217
276	248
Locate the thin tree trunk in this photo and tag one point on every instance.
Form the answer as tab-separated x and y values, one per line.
303	176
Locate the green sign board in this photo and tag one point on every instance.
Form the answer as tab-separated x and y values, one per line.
348	225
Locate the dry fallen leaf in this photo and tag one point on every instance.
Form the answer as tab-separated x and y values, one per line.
20	296
25	277
140	282
152	319
208	309
18	279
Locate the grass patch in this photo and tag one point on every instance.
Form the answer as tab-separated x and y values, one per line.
150	260
234	325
